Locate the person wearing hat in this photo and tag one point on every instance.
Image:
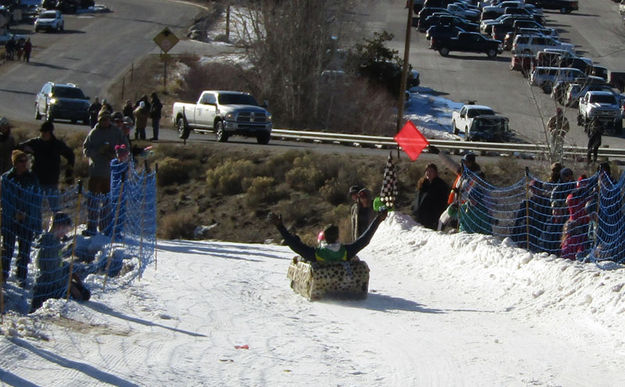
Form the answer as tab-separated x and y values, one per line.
141	120
7	144
53	276
21	214
99	148
558	126
330	249
47	151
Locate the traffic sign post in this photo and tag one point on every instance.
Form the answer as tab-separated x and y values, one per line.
166	40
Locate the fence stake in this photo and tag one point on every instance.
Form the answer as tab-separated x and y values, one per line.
71	263
119	202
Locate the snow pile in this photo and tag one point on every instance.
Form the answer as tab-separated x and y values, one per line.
431	113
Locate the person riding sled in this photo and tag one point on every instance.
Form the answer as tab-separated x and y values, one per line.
330	250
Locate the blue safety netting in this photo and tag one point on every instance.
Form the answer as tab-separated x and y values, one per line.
38	261
580	220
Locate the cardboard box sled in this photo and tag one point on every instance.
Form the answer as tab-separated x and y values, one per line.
318	280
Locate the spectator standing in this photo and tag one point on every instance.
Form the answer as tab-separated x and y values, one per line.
53	276
564	187
558	126
362	213
99	147
141	120
47	151
21	215
431	198
28	47
531	218
94	109
595	131
552	235
7	144
128	110
10	47
156	108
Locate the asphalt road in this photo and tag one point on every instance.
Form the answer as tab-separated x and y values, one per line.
596	29
93	50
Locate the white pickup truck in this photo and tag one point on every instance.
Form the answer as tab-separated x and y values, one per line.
462	119
604	106
226	113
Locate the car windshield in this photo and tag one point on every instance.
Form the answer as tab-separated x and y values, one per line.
48	15
237	99
494	125
68	92
602	98
479	112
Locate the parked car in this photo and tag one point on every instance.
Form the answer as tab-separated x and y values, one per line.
534	43
462	119
469	42
576	90
62	101
602	105
51	20
425	13
466	13
442	31
486	27
442	18
226	113
489	128
437	33
522	62
546	77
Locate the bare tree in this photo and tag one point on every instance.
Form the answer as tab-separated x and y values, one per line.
289	43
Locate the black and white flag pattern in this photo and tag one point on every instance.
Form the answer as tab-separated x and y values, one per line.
388	193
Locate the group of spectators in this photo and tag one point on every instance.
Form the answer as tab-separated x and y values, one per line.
23	189
143	110
18	49
558	216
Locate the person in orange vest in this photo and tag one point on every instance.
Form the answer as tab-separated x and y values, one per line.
461	183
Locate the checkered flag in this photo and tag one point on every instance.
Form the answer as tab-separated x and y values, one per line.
388	193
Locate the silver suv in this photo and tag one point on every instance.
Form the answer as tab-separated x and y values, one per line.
51	20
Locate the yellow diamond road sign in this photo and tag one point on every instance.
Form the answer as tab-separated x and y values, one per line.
166	39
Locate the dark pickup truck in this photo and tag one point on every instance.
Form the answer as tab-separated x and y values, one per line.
469	42
565	6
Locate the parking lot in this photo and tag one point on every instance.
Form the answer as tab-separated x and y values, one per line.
596	29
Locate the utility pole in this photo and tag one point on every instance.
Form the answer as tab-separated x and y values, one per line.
404	74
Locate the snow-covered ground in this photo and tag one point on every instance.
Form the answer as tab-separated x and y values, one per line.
442	310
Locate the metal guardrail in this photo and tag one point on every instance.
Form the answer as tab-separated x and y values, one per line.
388	142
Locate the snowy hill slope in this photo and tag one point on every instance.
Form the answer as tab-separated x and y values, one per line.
442	310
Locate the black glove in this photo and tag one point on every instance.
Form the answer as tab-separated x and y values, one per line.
276	219
433	149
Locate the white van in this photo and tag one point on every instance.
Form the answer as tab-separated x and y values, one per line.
550	75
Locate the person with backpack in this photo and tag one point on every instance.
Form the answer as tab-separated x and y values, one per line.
53	277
